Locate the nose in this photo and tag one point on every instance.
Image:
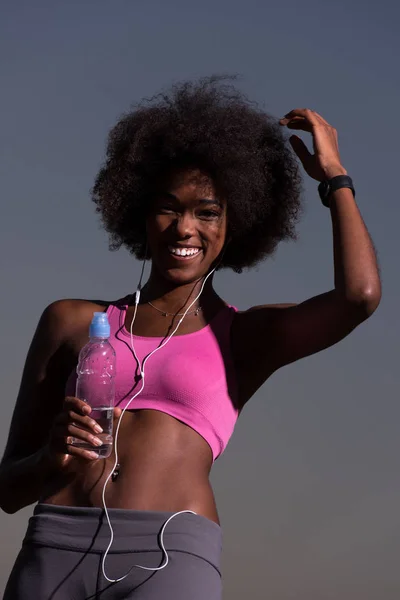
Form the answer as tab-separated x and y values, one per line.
185	226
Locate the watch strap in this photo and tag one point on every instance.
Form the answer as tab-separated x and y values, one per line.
326	188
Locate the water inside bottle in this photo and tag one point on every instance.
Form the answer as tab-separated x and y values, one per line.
104	417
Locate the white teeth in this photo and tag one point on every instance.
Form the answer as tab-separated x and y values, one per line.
184	251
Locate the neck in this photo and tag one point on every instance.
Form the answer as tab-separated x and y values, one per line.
171	297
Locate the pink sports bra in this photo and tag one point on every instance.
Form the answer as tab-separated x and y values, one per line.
192	378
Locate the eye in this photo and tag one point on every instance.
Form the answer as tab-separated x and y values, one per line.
209	214
164	209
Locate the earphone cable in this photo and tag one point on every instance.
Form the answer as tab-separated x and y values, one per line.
165	554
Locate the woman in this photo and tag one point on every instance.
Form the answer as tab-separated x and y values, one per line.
194	181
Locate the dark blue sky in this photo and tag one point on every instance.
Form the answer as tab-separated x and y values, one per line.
308	488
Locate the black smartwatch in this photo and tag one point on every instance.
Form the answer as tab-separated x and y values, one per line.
326	188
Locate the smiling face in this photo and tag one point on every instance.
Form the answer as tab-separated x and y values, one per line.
186	227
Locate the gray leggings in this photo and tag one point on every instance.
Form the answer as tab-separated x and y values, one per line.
63	547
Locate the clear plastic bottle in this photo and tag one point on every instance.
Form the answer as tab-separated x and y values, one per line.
95	383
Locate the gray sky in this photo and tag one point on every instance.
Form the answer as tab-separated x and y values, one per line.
308	488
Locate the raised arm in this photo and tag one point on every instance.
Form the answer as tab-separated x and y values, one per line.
298	330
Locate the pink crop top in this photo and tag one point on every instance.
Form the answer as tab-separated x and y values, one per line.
192	378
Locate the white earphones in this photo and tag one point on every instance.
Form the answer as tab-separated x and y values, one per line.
142	373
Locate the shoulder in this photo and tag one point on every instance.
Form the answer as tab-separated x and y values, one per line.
62	318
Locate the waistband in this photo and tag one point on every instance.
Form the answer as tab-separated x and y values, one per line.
85	529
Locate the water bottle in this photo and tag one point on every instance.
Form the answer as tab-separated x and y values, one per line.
95	383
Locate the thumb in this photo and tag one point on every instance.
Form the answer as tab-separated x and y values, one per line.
300	149
117	413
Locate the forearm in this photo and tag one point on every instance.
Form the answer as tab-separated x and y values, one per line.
22	481
356	270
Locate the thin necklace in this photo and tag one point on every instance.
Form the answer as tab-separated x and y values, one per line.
167	314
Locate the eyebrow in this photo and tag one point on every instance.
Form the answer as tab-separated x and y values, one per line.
201	200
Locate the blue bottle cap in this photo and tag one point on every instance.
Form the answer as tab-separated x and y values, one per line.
99	327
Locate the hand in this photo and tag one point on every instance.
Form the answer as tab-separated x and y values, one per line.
73	422
325	162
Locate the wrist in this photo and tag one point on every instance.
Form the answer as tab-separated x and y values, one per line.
47	462
334	171
330	186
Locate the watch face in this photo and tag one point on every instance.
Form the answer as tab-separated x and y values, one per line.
324	188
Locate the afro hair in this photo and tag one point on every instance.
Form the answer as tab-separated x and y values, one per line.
210	125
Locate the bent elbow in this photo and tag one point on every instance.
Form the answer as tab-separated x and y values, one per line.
8	502
371	299
365	302
8	507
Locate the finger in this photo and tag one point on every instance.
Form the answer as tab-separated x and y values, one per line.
62	459
300	125
117	412
80	406
85	422
306	113
63	437
300	149
81	453
287	120
298	122
83	435
299	114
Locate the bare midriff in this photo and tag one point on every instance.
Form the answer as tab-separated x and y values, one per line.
164	466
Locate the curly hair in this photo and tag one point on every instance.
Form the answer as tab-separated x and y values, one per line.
208	124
